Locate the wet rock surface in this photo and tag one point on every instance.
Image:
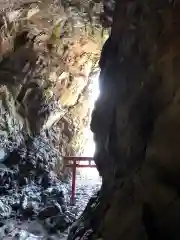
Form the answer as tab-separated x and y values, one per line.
34	212
27	203
34	203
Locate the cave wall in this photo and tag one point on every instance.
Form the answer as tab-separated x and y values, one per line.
48	49
136	123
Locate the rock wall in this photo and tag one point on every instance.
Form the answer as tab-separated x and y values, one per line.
136	127
48	50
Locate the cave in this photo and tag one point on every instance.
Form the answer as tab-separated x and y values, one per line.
49	53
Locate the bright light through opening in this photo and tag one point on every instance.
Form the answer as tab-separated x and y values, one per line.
95	91
89	148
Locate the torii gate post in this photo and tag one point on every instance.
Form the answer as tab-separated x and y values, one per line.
71	161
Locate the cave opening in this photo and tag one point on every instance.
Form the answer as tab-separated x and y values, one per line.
89	148
88	180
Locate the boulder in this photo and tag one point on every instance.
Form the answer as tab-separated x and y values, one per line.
28	208
12	159
60	222
50	211
5	210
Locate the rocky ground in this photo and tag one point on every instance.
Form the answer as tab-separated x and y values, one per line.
39	208
25	201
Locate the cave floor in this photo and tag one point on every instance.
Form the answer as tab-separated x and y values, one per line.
86	186
15	227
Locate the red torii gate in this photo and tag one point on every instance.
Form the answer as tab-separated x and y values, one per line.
71	161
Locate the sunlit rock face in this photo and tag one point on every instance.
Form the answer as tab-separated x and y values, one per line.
48	51
136	126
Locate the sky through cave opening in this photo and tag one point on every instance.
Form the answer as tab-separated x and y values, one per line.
91	174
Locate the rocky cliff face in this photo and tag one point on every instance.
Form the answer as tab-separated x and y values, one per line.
136	127
48	51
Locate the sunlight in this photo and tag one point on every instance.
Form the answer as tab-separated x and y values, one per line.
89	149
95	91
